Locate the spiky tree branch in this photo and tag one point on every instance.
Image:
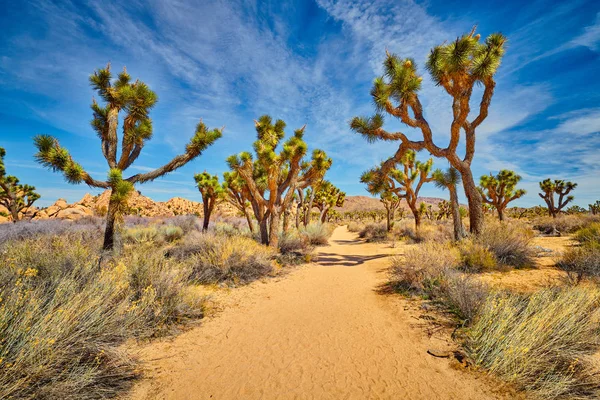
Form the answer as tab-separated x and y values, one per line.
456	67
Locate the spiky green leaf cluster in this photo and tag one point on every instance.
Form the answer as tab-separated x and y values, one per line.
447	178
51	155
466	59
121	189
209	185
367	126
202	139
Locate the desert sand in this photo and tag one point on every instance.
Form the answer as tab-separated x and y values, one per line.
324	331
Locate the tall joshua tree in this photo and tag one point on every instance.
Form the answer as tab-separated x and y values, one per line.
405	182
449	179
237	194
326	197
275	175
500	190
211	191
562	189
457	67
17	198
134	100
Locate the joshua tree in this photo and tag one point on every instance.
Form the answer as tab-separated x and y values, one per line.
500	190
17	198
275	175
237	194
444	210
457	67
326	197
211	192
562	189
405	183
134	99
595	208
391	202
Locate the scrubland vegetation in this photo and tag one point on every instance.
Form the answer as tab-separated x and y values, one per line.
66	311
545	341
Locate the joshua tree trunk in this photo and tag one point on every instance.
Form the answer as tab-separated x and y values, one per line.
111	217
474	200
309	209
14	212
286	220
298	210
323	215
263	224
207	211
249	220
390	219
501	214
417	216
274	229
459	230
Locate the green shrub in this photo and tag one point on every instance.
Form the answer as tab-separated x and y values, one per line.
317	233
541	343
376	232
462	295
581	262
509	242
590	233
63	318
354	226
216	258
474	257
422	267
156	234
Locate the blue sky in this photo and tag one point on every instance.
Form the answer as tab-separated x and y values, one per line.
306	62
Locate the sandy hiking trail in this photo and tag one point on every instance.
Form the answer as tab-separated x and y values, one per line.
322	332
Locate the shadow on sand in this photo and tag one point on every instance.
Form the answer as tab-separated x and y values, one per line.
333	259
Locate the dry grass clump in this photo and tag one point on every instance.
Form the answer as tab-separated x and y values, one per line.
439	232
423	267
540	343
317	233
509	242
564	224
354	226
294	248
157	234
475	257
218	258
588	234
462	295
63	317
30	229
581	262
375	232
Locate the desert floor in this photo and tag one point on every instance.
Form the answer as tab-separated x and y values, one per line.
327	330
